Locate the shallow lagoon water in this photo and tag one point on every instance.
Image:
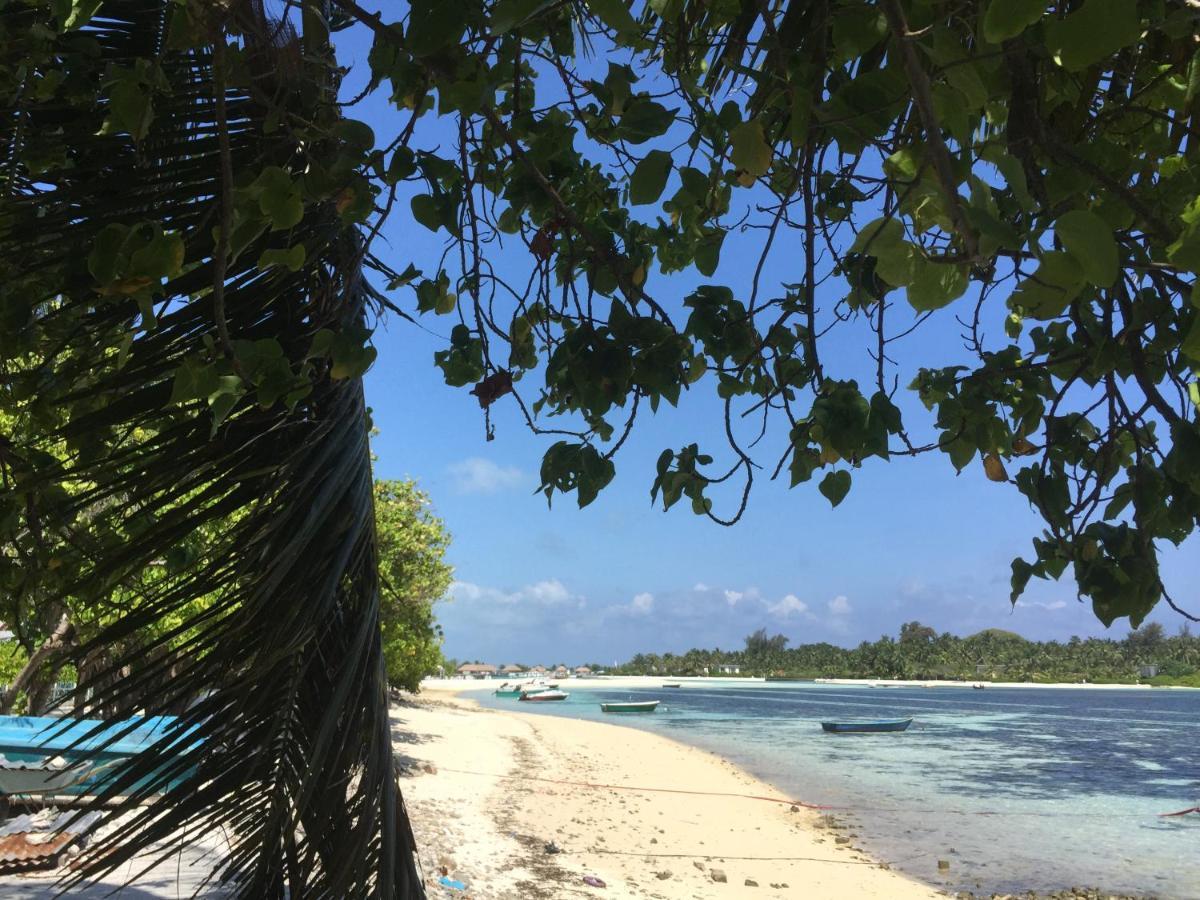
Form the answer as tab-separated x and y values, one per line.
1020	789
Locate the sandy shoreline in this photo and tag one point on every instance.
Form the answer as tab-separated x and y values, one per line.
487	790
460	685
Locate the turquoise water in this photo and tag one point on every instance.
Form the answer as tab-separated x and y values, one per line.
1020	789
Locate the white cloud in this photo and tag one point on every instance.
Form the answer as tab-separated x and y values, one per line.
643	603
1050	606
787	606
733	598
700	587
477	475
549	592
465	590
839	606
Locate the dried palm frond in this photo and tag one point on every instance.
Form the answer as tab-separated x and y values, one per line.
115	455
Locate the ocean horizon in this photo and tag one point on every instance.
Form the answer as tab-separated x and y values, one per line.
1014	789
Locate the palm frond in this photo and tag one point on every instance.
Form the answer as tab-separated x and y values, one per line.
283	740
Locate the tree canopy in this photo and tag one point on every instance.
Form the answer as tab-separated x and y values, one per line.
715	196
412	547
1026	170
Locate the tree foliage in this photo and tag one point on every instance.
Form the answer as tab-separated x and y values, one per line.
759	644
412	545
1028	170
920	652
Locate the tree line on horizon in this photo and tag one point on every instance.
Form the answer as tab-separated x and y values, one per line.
920	652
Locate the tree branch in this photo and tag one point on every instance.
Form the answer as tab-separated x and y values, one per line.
923	100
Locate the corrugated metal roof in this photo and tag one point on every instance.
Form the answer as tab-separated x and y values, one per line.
21	850
31	841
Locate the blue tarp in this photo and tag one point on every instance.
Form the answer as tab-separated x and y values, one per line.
31	734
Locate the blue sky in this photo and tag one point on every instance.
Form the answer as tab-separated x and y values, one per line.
913	540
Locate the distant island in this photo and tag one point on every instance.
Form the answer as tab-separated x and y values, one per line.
1146	655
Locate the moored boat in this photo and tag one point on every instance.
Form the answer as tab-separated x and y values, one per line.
508	692
871	727
51	755
978	686
672	684
543	696
632	706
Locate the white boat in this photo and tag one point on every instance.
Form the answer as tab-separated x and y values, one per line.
544	696
46	776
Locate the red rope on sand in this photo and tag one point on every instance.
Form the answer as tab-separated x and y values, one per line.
651	790
817	806
1182	812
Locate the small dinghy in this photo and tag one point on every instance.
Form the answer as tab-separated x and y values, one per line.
544	696
47	776
672	684
877	726
632	706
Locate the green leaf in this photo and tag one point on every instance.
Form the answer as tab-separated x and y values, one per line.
425	210
708	252
77	12
351	356
1021	572
224	398
434	24
857	27
1057	282
278	197
835	486
840	419
935	284
509	14
1185	252
1090	242
356	134
103	261
131	108
1191	342
1094	32
615	15
884	240
645	119
650	177
194	380
401	166
293	258
751	151
160	257
904	164
1010	168
446	303
1006	19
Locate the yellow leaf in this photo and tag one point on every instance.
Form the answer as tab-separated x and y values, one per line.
994	468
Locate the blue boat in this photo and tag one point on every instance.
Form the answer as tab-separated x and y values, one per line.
66	756
875	727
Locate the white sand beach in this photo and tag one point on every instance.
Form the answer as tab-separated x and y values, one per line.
488	790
